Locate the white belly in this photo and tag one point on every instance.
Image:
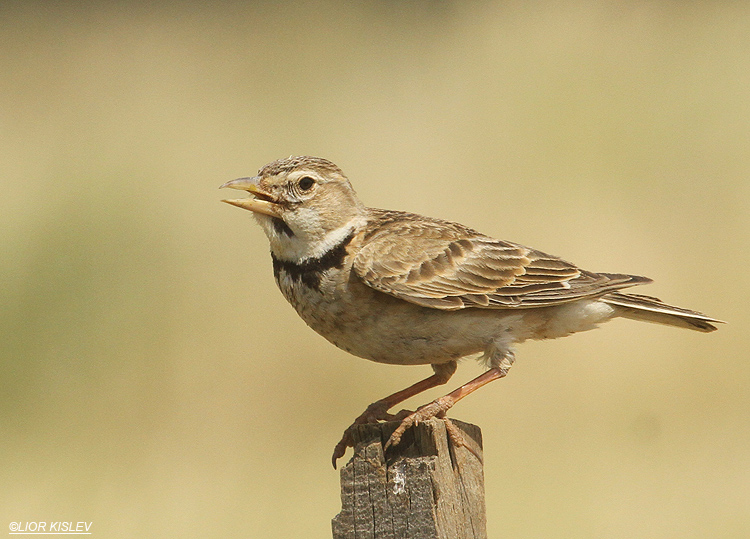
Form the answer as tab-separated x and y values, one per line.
376	326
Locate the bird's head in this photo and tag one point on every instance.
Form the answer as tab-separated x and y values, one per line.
304	205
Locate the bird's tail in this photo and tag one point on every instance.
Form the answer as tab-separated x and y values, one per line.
649	309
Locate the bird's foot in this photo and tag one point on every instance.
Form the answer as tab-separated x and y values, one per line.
376	412
436	408
457	437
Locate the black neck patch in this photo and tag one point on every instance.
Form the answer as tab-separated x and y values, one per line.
310	272
281	227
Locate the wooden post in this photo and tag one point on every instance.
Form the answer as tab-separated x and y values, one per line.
425	488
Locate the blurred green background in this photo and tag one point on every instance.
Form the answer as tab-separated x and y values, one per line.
155	382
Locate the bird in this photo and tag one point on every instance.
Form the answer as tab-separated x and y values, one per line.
401	288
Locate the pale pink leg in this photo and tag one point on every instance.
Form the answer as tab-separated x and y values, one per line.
378	410
438	407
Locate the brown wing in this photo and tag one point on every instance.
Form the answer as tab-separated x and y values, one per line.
448	266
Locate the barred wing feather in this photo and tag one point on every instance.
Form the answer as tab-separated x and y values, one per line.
457	267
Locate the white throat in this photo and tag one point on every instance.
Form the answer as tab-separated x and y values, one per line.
297	248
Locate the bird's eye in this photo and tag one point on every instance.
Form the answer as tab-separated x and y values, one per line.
306	183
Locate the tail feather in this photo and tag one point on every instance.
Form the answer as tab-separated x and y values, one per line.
650	309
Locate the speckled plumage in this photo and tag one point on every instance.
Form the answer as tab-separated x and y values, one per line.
401	288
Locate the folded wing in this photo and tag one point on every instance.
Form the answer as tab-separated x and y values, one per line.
455	267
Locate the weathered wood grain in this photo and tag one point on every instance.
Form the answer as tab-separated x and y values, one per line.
424	488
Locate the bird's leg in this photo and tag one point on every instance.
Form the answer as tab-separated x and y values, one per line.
439	406
378	410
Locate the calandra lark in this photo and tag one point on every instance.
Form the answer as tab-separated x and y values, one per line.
401	288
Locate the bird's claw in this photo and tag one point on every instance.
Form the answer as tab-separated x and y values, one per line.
340	449
375	412
436	408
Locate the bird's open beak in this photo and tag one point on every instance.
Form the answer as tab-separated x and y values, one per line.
262	203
